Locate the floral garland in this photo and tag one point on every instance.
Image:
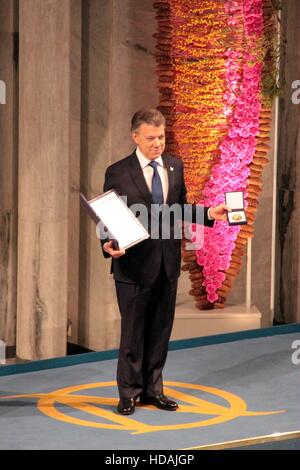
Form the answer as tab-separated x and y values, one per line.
242	106
210	66
191	83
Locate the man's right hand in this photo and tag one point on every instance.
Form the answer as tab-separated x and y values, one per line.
108	248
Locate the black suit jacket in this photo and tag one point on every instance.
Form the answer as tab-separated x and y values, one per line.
141	263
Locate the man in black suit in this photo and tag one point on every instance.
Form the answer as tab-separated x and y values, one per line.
146	275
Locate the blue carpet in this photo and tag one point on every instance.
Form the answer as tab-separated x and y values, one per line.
226	392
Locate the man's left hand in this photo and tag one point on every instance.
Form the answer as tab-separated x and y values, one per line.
219	212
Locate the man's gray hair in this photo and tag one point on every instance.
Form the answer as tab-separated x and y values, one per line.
147	116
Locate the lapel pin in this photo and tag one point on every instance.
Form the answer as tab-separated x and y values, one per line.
171	168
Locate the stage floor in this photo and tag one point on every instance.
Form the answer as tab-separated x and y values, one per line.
227	392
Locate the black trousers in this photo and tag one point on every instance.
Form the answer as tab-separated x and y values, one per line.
147	315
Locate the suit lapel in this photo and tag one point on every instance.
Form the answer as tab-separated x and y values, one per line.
171	176
138	179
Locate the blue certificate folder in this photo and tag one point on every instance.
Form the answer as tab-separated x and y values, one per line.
119	223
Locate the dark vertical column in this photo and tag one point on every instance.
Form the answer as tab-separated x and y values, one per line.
288	244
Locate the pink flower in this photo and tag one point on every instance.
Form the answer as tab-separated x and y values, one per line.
242	105
212	298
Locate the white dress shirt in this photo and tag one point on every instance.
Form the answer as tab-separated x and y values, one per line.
148	172
162	171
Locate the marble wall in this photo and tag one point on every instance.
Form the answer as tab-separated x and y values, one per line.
85	68
49	154
8	171
118	77
288	261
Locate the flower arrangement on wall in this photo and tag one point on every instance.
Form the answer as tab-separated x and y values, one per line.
216	65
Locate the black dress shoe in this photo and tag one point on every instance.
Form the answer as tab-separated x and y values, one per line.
160	401
126	406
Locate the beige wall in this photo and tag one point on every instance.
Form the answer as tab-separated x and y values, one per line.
8	173
85	67
118	78
49	156
288	262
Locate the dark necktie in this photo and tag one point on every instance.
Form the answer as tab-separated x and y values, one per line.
156	187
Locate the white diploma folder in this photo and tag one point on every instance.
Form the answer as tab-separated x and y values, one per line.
119	222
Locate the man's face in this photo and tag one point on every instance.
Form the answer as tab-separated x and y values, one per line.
150	140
